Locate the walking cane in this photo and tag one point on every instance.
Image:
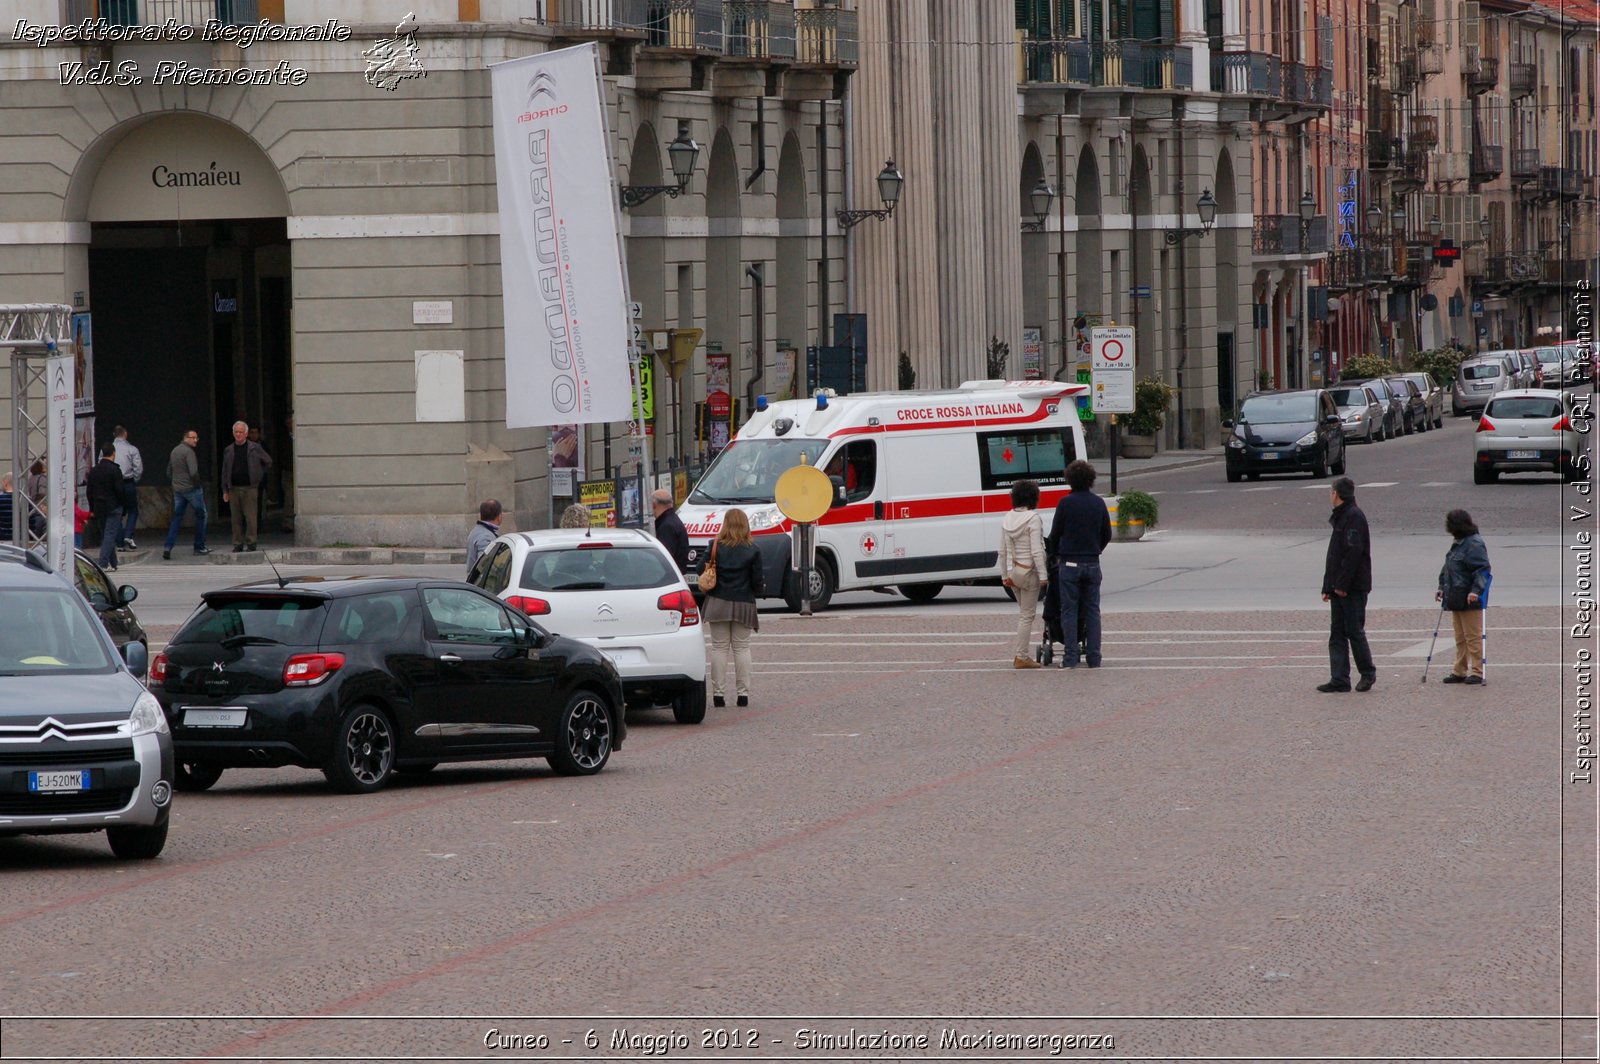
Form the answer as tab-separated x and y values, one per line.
1483	638
1436	625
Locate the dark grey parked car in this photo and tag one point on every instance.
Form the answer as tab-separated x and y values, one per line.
1432	396
1411	399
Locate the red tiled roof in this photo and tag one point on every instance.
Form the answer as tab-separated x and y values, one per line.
1587	11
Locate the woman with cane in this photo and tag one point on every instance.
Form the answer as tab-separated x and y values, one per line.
1463	582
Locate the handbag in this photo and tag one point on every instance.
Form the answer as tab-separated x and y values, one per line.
708	575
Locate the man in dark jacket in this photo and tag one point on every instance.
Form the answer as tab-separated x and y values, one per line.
1078	536
1346	580
670	530
244	465
105	503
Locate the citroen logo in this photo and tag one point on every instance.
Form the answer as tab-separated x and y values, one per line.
606	610
216	666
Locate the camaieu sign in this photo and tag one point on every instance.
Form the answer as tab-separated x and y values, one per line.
164	177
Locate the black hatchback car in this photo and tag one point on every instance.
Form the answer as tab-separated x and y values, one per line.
1285	432
363	677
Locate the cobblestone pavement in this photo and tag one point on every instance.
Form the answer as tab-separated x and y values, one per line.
1189	851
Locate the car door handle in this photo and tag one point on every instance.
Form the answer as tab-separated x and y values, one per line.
450	659
877	511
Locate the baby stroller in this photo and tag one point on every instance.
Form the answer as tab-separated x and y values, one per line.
1052	627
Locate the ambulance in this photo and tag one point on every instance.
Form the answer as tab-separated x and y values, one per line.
921	482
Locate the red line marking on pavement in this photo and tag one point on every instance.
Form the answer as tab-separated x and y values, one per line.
493	949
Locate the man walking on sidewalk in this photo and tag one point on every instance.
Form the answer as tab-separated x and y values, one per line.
104	485
1346	581
183	469
131	463
244	465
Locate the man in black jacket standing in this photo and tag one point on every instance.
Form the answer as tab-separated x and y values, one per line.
1078	536
1346	581
104	484
669	528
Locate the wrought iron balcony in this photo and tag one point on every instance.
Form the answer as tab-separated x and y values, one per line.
1488	160
758	29
1424	131
157	12
827	36
1358	267
1522	79
1560	182
1407	73
1524	164
1475	260
1246	73
1413	167
1168	66
1419	263
1286	234
1563	271
1517	267
683	25
1430	61
1383	151
1483	75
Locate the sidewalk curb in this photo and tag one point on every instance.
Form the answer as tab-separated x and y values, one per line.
1142	467
294	556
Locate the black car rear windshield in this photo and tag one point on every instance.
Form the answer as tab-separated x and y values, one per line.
1279	409
1530	406
598	568
295	622
1482	371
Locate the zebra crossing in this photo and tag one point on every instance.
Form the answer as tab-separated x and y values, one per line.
1315	485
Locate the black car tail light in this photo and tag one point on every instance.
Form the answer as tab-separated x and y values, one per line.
308	670
682	602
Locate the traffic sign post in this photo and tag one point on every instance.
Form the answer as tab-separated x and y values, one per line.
803	494
1112	356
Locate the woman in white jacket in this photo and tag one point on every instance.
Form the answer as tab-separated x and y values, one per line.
1023	567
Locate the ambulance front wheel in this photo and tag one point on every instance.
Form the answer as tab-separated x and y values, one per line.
920	593
822	584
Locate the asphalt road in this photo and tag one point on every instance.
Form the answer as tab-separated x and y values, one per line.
1189	851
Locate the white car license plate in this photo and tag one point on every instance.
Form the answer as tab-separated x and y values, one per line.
57	782
1522	454
624	655
1481	387
230	717
1269	454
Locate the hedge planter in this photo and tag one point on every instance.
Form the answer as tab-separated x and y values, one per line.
1138	446
1130	530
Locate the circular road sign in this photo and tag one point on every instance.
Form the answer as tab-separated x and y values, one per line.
803	493
1111	351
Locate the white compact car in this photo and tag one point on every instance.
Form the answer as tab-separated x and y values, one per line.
618	590
1525	429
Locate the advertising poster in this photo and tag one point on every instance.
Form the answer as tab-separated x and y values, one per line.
630	508
680	486
718	428
566	446
600	496
1032	352
786	364
86	456
83	366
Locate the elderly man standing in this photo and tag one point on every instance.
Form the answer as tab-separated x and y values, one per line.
484	532
669	528
244	465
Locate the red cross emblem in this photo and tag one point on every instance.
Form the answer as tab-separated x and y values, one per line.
1007	454
868	543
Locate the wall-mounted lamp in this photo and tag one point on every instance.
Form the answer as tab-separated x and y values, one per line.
890	181
682	153
1039	199
1206	207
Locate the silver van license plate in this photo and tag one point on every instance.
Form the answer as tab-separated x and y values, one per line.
57	782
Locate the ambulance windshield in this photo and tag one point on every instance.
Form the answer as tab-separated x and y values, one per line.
747	470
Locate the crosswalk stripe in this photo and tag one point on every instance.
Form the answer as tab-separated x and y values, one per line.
1379	484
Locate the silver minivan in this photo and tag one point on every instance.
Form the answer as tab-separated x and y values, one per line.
1477	379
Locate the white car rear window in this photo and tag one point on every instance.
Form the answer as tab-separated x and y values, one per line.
598	568
1527	406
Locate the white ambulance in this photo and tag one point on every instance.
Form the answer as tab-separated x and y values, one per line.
921	481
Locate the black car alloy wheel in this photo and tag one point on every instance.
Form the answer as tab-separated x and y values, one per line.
363	754
583	739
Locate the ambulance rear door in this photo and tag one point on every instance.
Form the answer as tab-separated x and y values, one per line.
933	511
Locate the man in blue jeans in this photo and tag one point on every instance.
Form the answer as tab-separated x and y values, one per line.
183	468
1078	536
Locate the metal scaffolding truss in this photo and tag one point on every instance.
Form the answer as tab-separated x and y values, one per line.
30	333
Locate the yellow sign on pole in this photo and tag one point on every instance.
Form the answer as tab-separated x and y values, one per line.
803	493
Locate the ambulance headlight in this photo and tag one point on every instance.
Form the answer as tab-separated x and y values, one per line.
770	517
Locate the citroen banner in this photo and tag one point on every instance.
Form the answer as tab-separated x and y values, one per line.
566	311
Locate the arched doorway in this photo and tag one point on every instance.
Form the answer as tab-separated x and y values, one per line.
189	294
1090	264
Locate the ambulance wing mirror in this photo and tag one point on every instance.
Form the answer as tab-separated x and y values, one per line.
838	490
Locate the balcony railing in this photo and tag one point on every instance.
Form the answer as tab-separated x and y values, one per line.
1522	79
1524	164
1383	151
1286	234
1354	267
586	18
827	36
1246	73
1413	168
1488	160
1560	182
1106	64
1425	131
1517	267
1430	61
684	25
758	29
1484	75
157	12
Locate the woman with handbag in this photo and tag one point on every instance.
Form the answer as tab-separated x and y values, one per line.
1462	583
1022	563
732	581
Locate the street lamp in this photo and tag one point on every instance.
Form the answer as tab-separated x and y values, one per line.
682	154
890	181
1397	218
1435	226
1308	206
1206	207
1483	228
1039	199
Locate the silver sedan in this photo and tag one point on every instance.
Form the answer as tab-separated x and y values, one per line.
1360	414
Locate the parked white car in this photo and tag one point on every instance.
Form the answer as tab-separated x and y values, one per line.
1528	429
618	590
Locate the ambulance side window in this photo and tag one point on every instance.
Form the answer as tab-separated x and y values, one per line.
857	465
1040	455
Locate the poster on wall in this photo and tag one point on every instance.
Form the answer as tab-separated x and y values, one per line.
86	456
630	502
566	446
1032	352
600	496
718	428
786	364
83	365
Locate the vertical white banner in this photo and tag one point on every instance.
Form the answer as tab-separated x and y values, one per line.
561	274
61	453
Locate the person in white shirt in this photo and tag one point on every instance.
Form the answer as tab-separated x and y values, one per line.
1023	567
132	466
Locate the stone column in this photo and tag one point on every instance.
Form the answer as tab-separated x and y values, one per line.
1001	163
873	285
959	157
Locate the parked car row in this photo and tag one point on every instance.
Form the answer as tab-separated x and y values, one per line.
1482	376
1372	409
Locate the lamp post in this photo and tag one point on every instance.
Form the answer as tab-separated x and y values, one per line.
1039	199
682	153
890	181
1435	226
1206	207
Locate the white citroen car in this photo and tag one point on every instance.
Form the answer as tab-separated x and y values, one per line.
618	590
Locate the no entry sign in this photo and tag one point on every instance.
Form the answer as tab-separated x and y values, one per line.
1112	358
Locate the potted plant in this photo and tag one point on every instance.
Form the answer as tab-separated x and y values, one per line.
1136	511
1152	398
